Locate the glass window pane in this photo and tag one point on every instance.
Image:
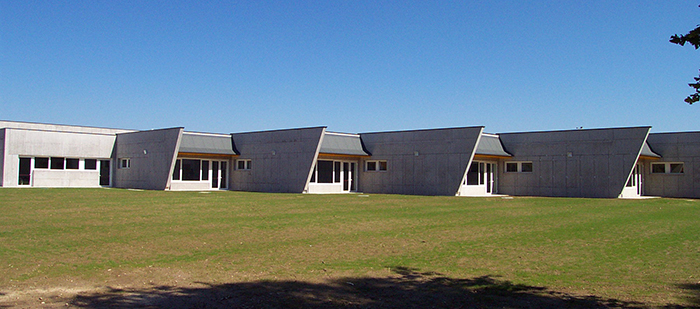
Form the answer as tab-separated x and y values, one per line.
526	167
57	163
176	170
658	168
41	162
90	164
223	184
215	174
336	176
473	174
371	165
382	165
325	171
676	168
511	167
205	170
72	164
190	169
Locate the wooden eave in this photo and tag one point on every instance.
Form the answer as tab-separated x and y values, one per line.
342	155
482	156
643	157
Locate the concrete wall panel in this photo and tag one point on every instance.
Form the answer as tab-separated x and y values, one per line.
674	147
152	154
584	163
425	162
281	160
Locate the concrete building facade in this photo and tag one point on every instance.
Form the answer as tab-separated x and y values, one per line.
602	163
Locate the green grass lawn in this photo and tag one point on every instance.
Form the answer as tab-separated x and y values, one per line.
645	251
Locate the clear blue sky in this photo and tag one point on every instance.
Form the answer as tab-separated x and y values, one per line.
354	66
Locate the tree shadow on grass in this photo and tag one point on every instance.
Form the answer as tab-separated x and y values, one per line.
409	288
692	294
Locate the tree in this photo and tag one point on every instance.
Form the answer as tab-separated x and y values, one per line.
692	38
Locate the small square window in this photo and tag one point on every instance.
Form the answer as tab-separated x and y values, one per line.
526	167
72	164
658	168
41	162
125	163
57	163
382	165
371	165
676	168
511	167
90	164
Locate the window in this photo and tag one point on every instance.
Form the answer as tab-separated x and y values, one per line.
90	164
176	170
667	168
124	163
372	166
325	171
41	162
243	164
473	174
190	169
205	170
519	167
72	164
57	163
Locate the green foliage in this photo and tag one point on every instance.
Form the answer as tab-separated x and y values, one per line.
692	38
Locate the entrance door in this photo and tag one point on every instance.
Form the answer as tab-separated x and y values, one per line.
25	171
480	180
348	176
634	186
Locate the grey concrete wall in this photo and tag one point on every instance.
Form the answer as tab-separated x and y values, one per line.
437	169
576	163
152	155
674	147
35	143
281	159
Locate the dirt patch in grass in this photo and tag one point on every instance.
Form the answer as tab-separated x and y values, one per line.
403	288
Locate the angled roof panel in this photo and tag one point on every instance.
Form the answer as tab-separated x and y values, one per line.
206	144
647	152
490	145
342	144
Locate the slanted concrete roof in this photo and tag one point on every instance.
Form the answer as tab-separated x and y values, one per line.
342	144
490	145
206	143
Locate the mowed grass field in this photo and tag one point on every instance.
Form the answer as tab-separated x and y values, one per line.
91	247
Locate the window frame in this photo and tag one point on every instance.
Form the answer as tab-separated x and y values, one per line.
667	168
376	166
124	163
247	164
519	167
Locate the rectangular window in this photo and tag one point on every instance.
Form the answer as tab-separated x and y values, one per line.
243	164
41	162
124	163
205	170
676	168
375	165
57	163
191	169
176	170
223	184
72	164
473	174
90	164
519	167
325	171
215	174
336	176
667	168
